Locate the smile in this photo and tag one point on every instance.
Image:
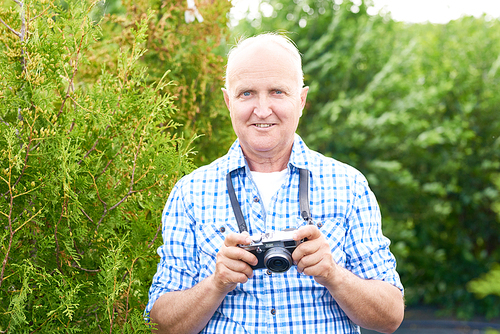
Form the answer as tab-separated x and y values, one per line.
260	125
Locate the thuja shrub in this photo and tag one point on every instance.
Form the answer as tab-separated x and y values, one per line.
194	53
86	165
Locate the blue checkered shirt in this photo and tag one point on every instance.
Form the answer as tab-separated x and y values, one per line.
198	216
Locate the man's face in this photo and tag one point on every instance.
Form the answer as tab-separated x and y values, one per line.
264	100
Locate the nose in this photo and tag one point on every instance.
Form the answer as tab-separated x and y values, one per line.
263	107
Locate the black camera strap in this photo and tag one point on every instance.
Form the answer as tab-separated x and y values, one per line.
303	199
235	204
304	195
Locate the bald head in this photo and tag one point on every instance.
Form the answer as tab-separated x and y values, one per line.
265	44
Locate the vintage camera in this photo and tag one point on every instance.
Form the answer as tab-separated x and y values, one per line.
273	250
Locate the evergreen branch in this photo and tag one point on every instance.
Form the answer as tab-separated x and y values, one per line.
145	173
96	142
42	13
107	165
23	23
132	179
97	320
70	85
12	30
89	151
11	235
104	212
78	104
93	149
46	320
2	120
4	263
74	265
129	288
55	234
25	193
20	215
26	222
30	139
156	236
86	215
111	321
124	198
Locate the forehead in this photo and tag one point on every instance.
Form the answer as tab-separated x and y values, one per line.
258	63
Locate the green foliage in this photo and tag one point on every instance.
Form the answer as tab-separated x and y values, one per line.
414	107
488	284
89	150
196	67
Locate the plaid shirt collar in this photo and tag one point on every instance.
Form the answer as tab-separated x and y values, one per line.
298	158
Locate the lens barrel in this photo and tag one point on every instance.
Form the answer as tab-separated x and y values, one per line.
278	259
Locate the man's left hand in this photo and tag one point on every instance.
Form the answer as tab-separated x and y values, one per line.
314	256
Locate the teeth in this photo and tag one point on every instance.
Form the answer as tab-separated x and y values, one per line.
263	125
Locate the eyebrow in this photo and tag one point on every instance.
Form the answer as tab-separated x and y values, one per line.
240	91
243	89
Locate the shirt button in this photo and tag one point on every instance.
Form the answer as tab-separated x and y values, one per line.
269	272
256	199
273	311
222	229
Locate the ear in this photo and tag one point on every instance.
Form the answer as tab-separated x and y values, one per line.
226	98
303	98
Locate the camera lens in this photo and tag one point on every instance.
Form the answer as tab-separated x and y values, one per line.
278	259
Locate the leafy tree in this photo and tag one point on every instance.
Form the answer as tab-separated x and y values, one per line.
90	146
414	108
489	284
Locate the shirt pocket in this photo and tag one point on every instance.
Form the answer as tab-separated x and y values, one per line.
210	238
335	234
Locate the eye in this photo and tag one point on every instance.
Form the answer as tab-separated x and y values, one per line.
278	92
246	93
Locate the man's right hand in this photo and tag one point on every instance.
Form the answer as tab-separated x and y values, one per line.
188	311
233	262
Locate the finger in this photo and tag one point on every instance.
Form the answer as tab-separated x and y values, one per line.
309	232
244	255
239	267
228	277
230	267
306	248
323	268
308	261
234	239
238	254
318	264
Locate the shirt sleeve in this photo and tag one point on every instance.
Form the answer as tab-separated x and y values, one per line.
178	268
367	249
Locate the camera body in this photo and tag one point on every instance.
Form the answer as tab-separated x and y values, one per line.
273	250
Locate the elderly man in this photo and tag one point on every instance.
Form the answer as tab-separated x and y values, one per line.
208	280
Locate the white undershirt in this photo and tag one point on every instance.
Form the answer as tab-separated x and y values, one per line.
269	184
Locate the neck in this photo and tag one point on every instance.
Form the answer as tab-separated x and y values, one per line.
264	164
